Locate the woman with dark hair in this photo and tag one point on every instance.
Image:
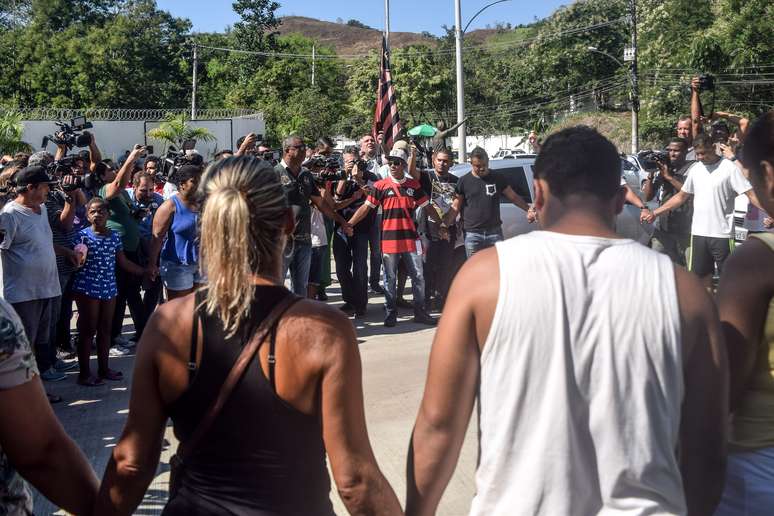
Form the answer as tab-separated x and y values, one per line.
175	235
284	371
746	304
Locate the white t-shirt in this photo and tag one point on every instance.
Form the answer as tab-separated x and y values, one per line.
714	189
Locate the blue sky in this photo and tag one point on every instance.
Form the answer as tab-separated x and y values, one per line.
406	15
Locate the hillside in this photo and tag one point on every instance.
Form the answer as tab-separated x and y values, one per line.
346	39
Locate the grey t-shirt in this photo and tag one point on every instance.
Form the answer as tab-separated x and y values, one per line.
27	251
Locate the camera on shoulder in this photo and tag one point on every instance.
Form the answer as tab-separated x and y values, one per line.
70	135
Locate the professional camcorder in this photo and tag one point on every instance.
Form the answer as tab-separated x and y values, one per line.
177	158
70	135
325	169
650	159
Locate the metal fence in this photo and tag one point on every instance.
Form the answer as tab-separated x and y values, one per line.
127	114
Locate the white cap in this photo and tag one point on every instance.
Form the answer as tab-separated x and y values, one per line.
400	154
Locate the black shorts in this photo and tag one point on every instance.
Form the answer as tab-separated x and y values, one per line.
706	252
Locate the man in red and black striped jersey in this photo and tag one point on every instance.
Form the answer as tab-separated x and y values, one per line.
399	196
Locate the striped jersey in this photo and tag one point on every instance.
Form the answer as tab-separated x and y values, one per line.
398	201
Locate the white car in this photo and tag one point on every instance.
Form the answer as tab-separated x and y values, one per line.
518	172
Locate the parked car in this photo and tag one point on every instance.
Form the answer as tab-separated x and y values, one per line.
518	172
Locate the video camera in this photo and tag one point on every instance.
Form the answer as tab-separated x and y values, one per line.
325	169
650	159
70	135
706	82
177	158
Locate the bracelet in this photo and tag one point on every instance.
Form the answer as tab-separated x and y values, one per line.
644	208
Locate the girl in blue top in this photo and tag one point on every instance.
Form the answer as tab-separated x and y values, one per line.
175	225
94	290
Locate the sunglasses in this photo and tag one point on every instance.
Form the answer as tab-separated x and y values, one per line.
395	162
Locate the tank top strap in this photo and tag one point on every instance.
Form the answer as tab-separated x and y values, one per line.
766	238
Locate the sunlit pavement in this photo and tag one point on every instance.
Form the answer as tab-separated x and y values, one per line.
394	367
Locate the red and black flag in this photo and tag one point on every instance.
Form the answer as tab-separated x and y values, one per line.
386	117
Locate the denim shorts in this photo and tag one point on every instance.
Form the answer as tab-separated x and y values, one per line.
177	276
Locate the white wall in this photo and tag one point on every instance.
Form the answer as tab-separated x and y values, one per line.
116	136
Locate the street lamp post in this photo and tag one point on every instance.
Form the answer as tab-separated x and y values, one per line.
463	149
458	34
635	97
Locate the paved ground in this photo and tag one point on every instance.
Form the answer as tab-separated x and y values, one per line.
394	367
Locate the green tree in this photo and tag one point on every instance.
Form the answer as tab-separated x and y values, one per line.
11	129
175	129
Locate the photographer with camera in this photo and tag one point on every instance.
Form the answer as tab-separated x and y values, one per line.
152	167
672	235
301	192
351	253
126	225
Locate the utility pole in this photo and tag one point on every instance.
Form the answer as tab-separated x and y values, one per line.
313	56
463	150
193	89
635	84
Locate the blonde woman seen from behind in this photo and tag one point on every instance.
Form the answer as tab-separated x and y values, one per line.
265	450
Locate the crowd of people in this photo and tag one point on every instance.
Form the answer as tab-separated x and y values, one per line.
608	377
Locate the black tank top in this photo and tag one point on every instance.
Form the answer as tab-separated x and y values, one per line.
261	456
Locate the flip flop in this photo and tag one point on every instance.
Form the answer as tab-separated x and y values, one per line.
91	381
112	375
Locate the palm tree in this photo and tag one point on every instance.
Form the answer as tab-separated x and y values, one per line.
174	130
11	129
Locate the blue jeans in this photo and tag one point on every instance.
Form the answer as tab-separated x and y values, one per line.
475	242
413	263
298	263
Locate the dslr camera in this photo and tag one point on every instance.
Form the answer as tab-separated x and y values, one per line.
70	135
651	159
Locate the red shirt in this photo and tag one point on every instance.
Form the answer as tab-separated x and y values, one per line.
398	201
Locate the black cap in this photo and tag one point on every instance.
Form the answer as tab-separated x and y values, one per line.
32	176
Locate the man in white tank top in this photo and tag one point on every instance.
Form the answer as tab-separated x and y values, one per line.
593	358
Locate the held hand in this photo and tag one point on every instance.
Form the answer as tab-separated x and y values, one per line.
768	223
136	152
249	142
727	151
532	215
70	180
647	216
74	258
348	229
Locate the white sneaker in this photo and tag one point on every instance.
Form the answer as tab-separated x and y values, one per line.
119	351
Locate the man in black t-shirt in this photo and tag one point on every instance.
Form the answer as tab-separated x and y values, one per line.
440	250
351	252
301	192
478	200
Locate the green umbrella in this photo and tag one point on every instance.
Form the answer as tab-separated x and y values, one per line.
425	130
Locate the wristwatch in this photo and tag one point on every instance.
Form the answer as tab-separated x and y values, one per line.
643	207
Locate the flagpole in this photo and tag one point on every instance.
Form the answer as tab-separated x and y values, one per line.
387	22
